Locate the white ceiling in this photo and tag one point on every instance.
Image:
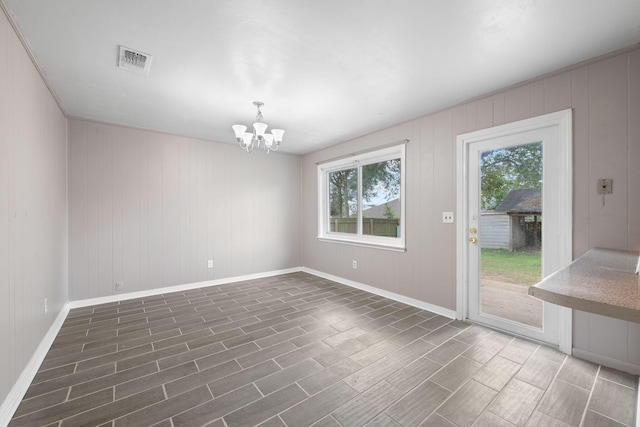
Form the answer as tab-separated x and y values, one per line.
327	70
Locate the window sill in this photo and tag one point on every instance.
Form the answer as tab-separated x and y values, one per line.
342	241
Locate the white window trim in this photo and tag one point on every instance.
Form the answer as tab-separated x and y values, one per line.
388	243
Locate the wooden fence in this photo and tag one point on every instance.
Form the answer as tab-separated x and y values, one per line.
370	226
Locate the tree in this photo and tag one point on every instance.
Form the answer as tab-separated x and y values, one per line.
509	169
343	190
380	179
388	212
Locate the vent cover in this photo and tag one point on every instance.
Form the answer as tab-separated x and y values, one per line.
134	60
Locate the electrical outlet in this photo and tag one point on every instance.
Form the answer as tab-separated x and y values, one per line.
46	307
118	287
355	264
447	217
210	263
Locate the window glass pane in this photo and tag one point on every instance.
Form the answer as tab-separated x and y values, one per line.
343	201
381	198
361	201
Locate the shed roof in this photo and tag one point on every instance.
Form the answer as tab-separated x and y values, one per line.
527	200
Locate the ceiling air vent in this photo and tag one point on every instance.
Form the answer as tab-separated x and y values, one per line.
133	60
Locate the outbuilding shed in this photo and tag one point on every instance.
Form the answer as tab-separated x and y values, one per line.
515	223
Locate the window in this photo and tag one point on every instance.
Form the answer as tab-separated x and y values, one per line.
361	199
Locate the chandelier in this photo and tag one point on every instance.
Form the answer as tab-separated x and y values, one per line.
258	138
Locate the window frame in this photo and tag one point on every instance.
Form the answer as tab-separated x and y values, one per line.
357	161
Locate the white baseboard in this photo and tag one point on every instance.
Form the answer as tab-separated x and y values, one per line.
17	392
391	295
620	365
177	288
188	286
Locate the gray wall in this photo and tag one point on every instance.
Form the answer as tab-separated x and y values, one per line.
33	208
605	97
149	209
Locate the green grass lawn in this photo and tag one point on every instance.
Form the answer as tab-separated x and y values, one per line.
511	267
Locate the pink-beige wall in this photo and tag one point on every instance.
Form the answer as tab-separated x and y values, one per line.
33	208
150	209
605	98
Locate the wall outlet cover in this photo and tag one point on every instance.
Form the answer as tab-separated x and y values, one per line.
447	217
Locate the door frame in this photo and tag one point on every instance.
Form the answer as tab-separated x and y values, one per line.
560	122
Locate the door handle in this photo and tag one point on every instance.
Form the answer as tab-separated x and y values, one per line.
473	239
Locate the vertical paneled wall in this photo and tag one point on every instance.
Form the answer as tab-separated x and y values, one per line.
605	98
150	209
33	208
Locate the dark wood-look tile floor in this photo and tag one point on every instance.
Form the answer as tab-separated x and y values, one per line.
298	350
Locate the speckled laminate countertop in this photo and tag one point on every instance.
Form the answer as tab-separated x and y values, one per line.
602	281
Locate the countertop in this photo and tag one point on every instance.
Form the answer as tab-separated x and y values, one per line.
602	281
